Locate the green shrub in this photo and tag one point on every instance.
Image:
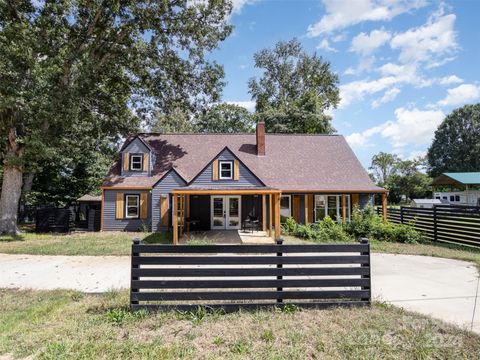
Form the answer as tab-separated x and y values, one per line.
289	226
363	223
326	230
366	223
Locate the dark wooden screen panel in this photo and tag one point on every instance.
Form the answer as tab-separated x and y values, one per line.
249	276
445	223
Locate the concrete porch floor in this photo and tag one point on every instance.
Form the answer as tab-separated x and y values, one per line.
227	237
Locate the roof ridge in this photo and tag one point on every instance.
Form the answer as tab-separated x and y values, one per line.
235	134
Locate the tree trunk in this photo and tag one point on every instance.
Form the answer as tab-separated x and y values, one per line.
11	190
12	185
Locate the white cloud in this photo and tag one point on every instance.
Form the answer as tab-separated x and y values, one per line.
365	44
436	38
365	64
394	76
414	127
325	45
460	95
389	95
249	104
448	80
239	4
361	139
343	13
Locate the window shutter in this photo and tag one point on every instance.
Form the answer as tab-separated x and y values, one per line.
236	170
215	170
311	206
126	159
145	162
355	200
143	205
164	210
119	206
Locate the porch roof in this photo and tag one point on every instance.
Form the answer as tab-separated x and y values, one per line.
219	190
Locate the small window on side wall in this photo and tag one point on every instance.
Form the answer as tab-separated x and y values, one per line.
225	170
136	162
132	206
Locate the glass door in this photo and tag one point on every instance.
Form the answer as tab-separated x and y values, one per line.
233	213
218	212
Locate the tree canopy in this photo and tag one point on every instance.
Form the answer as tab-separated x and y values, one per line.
295	91
226	118
402	178
76	74
456	145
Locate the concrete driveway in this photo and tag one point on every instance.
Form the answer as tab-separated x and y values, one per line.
443	288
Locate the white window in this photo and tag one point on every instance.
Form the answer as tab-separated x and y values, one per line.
136	162
132	206
330	205
285	206
225	170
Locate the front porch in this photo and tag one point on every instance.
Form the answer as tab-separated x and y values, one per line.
230	237
224	213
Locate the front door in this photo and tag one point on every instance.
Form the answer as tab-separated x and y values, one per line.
225	212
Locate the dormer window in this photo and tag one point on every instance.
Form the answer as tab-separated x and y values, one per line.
136	162
225	170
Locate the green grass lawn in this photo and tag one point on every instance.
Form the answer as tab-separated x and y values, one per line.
88	243
72	325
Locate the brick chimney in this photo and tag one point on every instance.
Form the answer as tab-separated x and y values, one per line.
261	138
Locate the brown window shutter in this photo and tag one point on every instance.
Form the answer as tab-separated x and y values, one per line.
126	159
311	208
164	210
236	170
355	200
143	205
215	170
119	206
145	162
296	208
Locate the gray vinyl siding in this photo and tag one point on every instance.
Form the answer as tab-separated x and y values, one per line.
137	147
247	178
109	207
165	186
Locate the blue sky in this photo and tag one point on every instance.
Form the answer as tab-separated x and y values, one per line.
403	65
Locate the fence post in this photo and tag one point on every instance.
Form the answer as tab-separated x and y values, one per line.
364	240
434	223
401	214
280	266
135	242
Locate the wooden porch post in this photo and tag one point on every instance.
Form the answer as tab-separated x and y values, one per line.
264	212
344	208
307	220
277	217
270	213
384	206
175	219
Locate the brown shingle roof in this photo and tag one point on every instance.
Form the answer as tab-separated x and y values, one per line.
292	162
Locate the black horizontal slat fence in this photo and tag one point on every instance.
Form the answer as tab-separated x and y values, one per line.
231	277
445	223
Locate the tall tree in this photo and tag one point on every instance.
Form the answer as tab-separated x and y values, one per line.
409	181
384	166
226	118
295	91
456	145
75	73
